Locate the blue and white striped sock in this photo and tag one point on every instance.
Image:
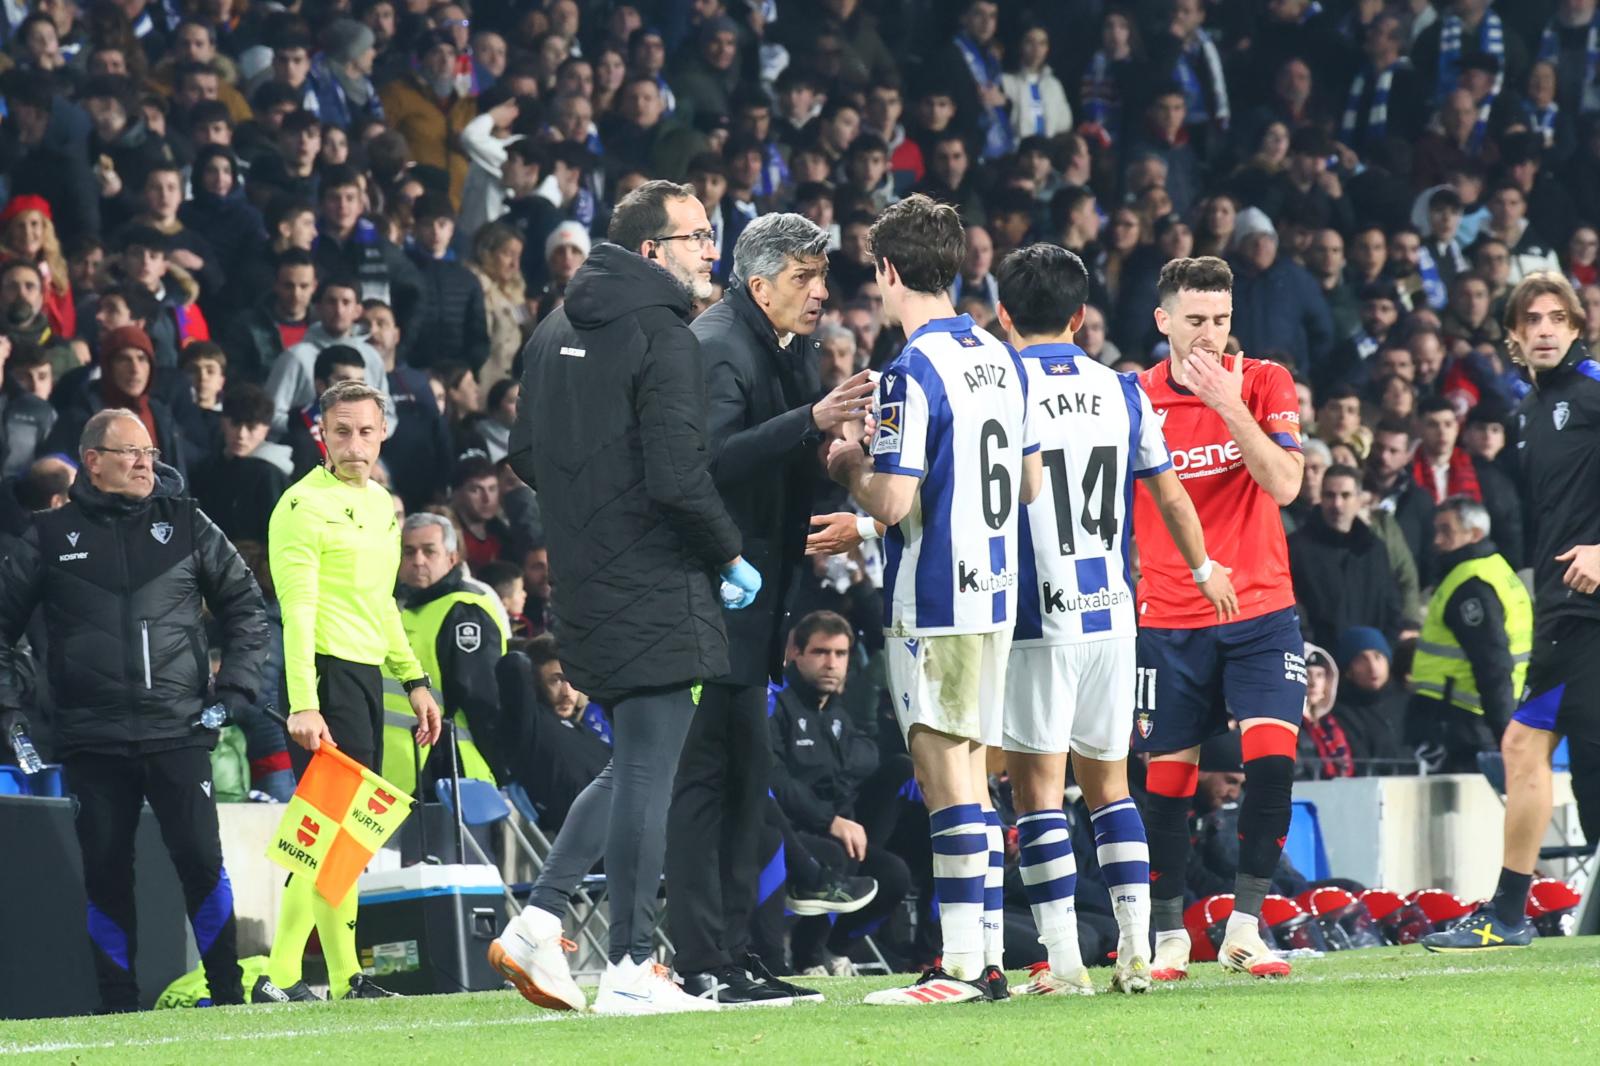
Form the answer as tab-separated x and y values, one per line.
1050	875
960	859
1124	855
994	893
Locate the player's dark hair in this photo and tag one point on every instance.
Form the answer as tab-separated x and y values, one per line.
923	240
1205	273
824	623
1042	287
336	355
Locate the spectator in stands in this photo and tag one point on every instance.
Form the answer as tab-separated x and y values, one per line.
218	213
29	234
1508	223
144	263
1472	658
349	244
1371	705
1393	489
256	335
640	137
25	420
1484	437
335	363
1469	316
1351	361
1324	749
429	110
338	310
1277	306
127	359
1441	468
239	486
475	503
122	145
1340	567
450	315
186	249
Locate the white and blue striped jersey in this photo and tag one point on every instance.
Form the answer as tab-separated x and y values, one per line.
953	411
1097	434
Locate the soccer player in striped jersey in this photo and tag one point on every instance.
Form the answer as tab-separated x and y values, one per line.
1070	682
950	466
1233	425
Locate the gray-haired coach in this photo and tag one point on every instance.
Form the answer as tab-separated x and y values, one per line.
765	424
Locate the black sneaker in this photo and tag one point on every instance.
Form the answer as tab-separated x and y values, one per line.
758	972
1482	930
267	992
994	978
364	987
732	987
836	895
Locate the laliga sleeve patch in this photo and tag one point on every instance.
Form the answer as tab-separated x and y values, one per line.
1472	612
469	636
890	420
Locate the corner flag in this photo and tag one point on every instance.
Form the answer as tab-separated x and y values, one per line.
339	816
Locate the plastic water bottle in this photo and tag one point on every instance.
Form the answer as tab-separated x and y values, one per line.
214	717
731	594
27	755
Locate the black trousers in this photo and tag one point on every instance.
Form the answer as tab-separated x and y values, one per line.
811	935
714	827
111	790
351	698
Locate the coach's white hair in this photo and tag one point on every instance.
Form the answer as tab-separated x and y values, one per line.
768	244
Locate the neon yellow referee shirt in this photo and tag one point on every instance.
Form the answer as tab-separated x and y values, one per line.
335	551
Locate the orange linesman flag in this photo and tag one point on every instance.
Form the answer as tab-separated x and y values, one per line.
339	816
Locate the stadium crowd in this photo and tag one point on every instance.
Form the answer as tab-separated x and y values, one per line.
214	210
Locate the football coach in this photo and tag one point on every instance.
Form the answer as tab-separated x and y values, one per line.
122	572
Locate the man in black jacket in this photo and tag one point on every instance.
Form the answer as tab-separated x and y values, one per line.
450	322
821	766
765	426
1341	567
611	433
1559	423
121	573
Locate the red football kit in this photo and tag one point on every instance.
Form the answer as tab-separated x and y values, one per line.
1242	525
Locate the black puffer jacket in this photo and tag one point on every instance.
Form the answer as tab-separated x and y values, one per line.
450	321
611	432
121	582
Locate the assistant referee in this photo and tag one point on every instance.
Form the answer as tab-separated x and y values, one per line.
334	546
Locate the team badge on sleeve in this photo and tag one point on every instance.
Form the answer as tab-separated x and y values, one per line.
469	636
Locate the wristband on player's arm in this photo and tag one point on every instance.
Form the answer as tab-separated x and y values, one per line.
1202	573
867	528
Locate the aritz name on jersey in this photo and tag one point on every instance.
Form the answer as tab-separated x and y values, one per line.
985	375
969	579
1204	460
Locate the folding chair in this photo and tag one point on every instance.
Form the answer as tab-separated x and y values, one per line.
1493	767
481	804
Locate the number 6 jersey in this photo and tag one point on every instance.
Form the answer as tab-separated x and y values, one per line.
1097	435
952	411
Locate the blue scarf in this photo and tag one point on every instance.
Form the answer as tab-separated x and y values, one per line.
1377	113
1491	41
1542	120
1034	102
1099	93
985	72
1550	51
1432	284
774	171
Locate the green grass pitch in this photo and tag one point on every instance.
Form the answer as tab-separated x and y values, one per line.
1397	1005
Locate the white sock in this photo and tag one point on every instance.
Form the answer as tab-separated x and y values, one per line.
960	861
1242	921
994	887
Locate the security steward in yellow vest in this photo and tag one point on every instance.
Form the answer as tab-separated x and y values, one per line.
458	630
1472	656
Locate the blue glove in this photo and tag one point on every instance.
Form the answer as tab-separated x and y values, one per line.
740	583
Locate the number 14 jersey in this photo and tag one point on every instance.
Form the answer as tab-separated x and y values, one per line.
952	412
1097	435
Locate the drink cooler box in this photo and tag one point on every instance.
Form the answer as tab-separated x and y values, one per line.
425	930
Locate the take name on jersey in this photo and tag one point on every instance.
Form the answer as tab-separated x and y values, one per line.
952	411
1242	525
1097	435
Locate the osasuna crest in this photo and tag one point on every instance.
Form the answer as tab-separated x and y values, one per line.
1562	415
1144	725
162	531
469	636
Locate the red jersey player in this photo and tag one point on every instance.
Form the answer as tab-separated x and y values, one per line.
1233	427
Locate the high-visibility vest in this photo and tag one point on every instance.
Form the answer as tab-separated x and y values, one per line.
1441	669
422	627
